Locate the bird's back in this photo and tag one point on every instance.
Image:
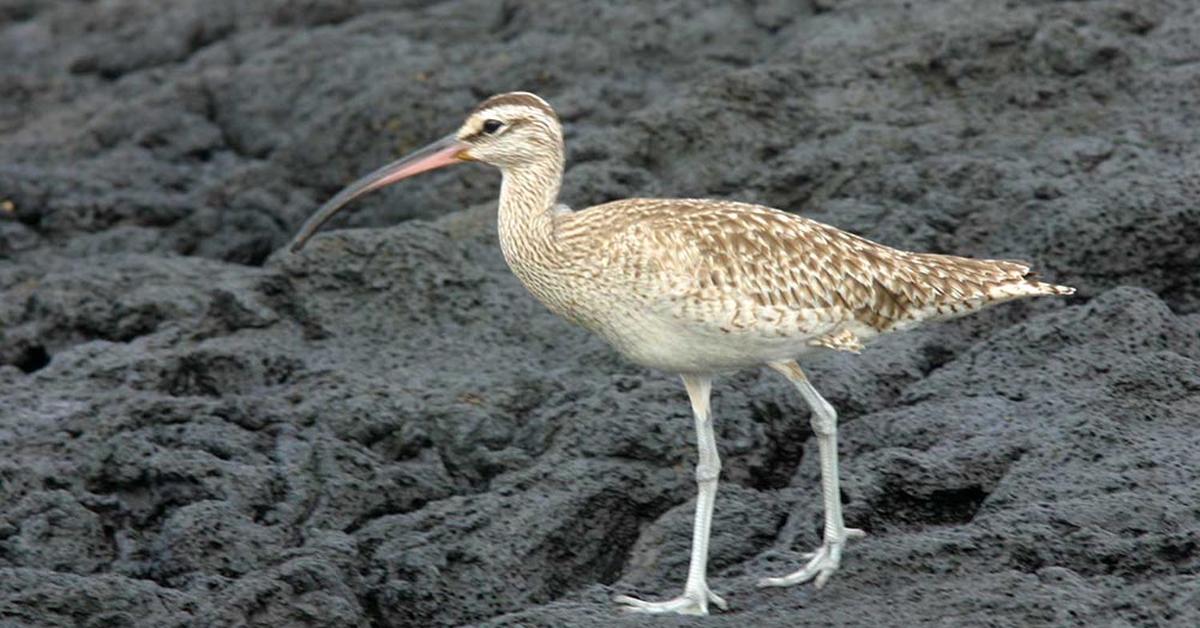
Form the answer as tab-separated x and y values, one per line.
745	270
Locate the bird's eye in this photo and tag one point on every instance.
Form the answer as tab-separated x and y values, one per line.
491	126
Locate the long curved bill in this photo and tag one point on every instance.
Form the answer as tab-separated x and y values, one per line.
441	153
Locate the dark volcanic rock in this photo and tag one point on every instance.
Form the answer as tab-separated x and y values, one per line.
387	430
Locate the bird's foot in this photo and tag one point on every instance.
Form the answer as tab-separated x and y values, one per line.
821	563
690	603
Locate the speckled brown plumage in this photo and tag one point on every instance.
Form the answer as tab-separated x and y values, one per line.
697	287
658	277
741	268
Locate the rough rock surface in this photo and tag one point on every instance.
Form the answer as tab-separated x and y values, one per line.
386	430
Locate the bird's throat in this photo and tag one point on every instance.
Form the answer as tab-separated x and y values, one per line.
526	215
526	224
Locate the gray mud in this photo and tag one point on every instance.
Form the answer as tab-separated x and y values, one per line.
199	430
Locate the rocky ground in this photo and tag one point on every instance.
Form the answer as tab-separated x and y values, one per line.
197	429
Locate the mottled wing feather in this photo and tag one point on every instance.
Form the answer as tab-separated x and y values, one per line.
844	340
736	267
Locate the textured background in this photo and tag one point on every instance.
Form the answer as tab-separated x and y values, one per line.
197	430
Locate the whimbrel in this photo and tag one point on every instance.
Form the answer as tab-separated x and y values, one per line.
701	287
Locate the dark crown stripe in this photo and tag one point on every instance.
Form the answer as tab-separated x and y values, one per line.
516	98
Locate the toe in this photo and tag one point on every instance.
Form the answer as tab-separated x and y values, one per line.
632	604
822	578
768	582
799	577
682	605
821	566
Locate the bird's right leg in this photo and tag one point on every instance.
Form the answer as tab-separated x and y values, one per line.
696	594
827	558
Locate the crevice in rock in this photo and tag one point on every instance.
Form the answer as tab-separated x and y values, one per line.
902	509
383	510
787	439
34	358
935	357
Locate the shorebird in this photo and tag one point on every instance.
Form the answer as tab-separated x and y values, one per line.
700	287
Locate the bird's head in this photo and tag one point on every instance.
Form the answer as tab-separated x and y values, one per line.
509	131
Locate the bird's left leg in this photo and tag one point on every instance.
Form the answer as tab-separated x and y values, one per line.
696	594
826	559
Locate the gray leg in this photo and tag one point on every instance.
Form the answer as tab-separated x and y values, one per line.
696	594
826	559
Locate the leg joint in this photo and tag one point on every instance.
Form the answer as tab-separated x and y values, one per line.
708	471
824	419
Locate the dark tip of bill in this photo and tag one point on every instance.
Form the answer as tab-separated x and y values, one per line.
297	244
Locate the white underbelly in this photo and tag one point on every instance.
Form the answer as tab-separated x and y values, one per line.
662	343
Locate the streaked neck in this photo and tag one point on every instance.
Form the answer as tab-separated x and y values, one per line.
526	218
